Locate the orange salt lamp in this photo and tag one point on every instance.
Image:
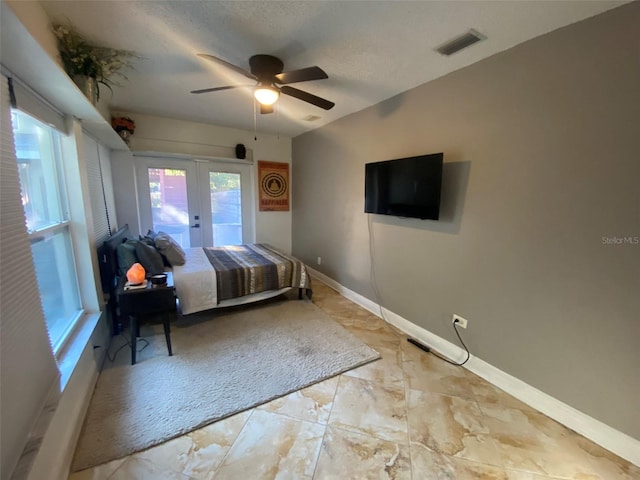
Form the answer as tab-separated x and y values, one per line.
136	274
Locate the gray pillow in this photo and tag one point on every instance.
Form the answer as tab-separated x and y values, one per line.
126	255
150	258
168	247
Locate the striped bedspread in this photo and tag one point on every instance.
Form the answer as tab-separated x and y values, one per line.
246	269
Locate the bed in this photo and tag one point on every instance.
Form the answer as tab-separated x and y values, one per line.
215	277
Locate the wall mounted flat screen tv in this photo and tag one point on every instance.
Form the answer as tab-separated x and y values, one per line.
406	187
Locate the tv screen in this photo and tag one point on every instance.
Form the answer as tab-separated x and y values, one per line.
406	187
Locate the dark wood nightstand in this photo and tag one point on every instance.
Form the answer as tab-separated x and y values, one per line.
144	301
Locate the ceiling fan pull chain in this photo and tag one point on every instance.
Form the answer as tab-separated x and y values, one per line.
255	121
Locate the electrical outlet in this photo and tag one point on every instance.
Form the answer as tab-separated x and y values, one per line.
457	319
319	260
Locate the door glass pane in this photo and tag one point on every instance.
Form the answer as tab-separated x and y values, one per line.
169	204
226	208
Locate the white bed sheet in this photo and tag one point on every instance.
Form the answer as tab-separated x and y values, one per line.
196	286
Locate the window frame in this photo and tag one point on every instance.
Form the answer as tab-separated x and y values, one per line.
61	227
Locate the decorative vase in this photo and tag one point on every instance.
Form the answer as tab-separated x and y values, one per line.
88	86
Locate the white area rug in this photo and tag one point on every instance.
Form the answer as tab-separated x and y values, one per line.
223	363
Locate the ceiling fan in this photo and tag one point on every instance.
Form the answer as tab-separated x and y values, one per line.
266	70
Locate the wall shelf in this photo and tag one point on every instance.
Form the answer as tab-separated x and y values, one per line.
171	148
25	58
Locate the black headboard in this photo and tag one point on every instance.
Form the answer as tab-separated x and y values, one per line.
109	272
109	257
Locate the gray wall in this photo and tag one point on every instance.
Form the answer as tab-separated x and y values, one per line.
542	152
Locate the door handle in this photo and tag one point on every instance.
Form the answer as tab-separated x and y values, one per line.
197	225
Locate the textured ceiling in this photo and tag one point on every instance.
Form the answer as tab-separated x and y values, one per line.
371	50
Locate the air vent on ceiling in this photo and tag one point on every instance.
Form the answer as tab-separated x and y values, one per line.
458	43
311	118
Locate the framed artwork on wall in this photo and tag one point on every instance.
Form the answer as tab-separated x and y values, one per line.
273	185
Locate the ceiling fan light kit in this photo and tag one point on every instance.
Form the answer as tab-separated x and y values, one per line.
266	70
266	94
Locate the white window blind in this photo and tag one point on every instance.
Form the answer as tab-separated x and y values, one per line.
36	106
98	163
27	365
105	161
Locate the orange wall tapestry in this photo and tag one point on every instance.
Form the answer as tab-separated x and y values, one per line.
273	183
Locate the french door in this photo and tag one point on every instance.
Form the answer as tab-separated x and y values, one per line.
197	202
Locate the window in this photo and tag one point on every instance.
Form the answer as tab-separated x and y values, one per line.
46	210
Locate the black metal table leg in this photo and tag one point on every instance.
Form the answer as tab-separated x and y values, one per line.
134	332
167	333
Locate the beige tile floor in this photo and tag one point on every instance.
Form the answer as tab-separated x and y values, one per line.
408	415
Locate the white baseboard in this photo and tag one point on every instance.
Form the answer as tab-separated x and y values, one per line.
607	437
55	451
364	302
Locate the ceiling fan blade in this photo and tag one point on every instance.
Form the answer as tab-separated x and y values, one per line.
216	89
266	108
233	67
307	97
302	75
